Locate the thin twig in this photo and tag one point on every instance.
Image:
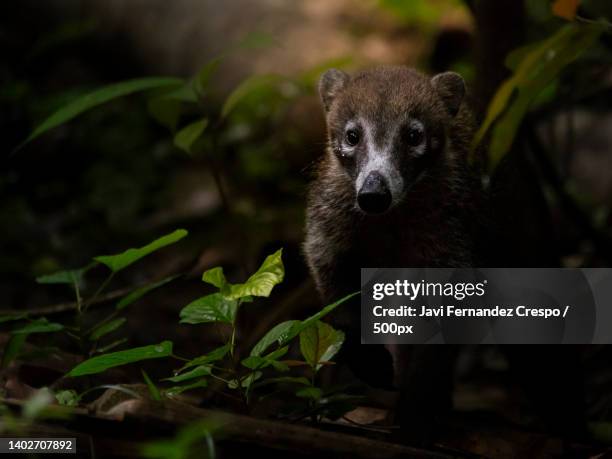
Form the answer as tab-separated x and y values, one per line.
69	306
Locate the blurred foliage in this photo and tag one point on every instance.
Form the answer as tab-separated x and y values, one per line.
535	68
186	442
425	13
114	172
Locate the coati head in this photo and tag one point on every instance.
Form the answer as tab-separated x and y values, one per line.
387	127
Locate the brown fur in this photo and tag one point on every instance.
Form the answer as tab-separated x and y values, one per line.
432	227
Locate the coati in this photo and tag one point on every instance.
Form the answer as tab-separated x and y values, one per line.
394	189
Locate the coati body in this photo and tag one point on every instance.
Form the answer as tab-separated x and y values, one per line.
394	189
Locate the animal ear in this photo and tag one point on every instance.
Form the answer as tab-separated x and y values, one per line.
330	84
451	89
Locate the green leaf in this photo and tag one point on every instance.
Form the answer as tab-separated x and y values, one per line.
319	343
496	107
285	331
71	277
106	328
186	444
546	62
535	67
104	362
247	87
12	349
215	277
99	97
516	56
166	112
213	356
13	317
122	260
210	308
184	93
41	325
246	382
187	136
202	79
313	393
270	273
110	346
167	107
297	328
276	334
138	293
153	390
197	372
176	390
255	362
67	397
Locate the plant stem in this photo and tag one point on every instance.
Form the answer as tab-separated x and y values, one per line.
102	322
219	378
233	339
99	291
77	291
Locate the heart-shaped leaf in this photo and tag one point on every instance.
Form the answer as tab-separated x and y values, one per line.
210	308
215	277
319	343
270	273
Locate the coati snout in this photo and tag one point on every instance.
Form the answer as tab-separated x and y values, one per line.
386	127
374	196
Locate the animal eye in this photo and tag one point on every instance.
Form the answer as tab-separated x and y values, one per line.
352	137
414	136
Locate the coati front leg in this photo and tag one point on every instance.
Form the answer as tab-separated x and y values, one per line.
336	275
424	375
